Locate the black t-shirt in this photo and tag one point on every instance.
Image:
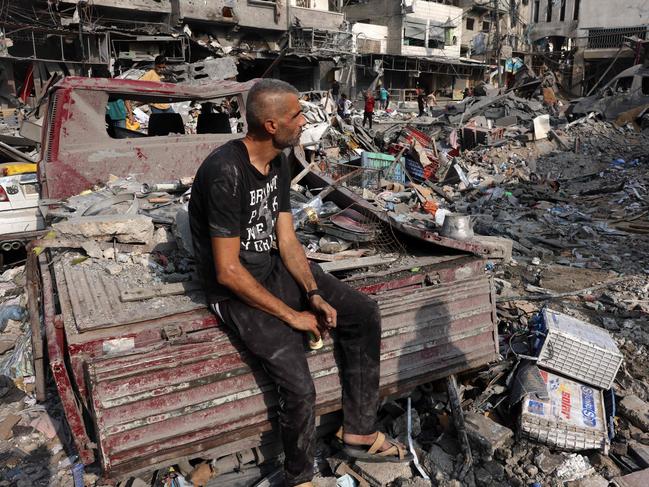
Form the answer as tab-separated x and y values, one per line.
231	198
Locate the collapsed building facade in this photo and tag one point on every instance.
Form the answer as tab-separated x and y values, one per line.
299	41
588	44
308	43
422	48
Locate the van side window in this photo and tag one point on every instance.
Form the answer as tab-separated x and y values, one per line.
132	118
623	85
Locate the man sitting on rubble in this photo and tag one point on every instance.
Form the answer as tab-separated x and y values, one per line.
259	282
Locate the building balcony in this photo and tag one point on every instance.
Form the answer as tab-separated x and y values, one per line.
315	18
485	5
308	40
143	6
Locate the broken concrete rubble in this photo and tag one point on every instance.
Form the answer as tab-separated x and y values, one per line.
636	411
486	436
122	228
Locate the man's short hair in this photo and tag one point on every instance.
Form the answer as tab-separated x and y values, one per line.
160	60
257	107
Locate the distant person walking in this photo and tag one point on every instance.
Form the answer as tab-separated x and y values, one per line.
431	101
344	107
369	108
118	112
383	97
421	101
335	91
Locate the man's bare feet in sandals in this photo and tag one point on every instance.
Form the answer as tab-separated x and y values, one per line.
375	448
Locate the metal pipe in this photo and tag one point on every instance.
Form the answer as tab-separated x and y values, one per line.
15	245
6	246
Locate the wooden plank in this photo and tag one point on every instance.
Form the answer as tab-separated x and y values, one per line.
347	264
140	294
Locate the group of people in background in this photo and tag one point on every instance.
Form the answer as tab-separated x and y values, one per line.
426	101
120	112
344	104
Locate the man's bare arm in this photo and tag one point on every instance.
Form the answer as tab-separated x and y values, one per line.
292	253
233	275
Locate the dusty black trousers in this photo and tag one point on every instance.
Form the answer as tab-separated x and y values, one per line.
368	116
282	352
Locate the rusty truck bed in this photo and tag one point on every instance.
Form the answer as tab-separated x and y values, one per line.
144	394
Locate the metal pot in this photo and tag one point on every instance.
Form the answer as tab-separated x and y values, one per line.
457	226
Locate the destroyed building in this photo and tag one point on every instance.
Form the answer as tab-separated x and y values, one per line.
480	38
422	49
300	40
587	43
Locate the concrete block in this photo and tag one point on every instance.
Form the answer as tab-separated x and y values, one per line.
541	127
381	474
507	121
500	247
124	228
439	464
636	411
7	424
590	481
486	435
635	479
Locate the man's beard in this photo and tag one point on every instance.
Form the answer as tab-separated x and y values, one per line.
282	141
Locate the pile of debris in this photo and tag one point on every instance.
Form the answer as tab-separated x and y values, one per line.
35	443
568	404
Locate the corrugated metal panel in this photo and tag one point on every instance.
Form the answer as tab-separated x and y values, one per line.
95	301
185	398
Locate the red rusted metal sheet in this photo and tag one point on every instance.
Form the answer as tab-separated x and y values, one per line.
57	352
203	394
182	393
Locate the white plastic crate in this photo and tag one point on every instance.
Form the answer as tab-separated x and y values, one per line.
573	418
579	350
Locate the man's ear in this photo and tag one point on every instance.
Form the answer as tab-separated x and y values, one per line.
271	126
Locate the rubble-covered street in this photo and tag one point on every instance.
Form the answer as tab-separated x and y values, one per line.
495	207
577	222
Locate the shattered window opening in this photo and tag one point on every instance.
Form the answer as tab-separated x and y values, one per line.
133	118
470	23
623	85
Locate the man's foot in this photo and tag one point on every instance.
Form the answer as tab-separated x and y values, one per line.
375	447
368	440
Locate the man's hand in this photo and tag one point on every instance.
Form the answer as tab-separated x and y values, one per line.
327	315
305	321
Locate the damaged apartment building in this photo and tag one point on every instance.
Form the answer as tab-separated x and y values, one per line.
309	43
301	41
587	43
495	29
422	45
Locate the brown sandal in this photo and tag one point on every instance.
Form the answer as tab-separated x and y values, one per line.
395	454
